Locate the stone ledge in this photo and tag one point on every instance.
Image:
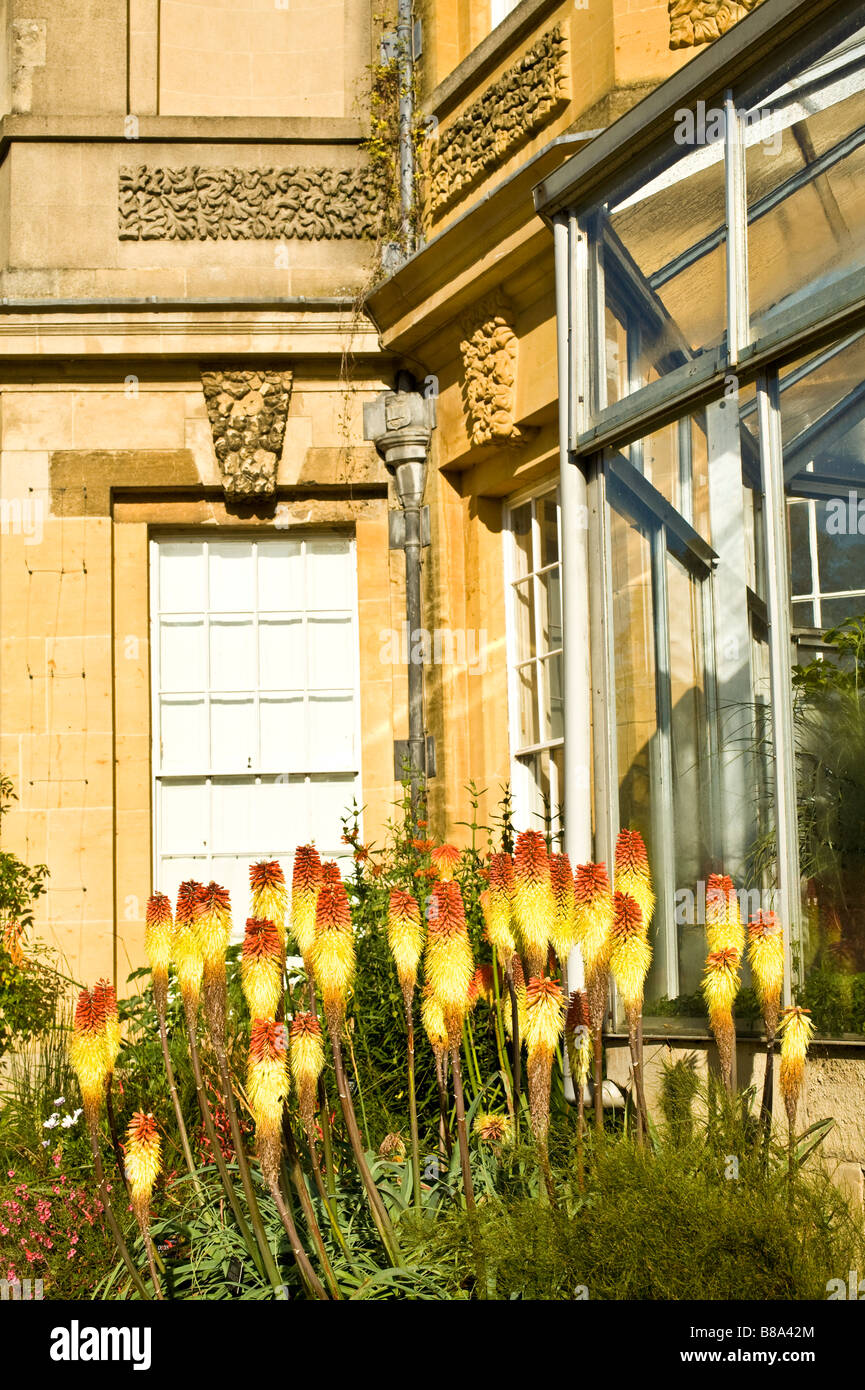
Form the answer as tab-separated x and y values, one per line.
200	130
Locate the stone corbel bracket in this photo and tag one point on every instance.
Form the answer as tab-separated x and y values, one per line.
489	350
693	22
505	116
247	412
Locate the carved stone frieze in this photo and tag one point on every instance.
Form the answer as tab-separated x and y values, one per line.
489	352
506	115
195	203
693	22
247	412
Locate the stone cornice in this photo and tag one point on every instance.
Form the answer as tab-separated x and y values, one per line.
198	130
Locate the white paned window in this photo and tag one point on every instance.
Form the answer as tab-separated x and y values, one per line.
500	9
533	575
255	710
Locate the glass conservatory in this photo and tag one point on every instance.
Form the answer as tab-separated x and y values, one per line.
711	315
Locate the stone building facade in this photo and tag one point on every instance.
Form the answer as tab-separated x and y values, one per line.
200	614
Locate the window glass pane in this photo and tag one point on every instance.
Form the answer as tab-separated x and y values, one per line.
549	593
328	573
328	801
182	658
634	646
183	816
233	733
551	678
806	193
664	257
232	577
840	549
280	576
283	733
331	731
521	531
182	577
279	816
524	620
183	726
800	547
331	656
689	752
527	694
232	654
281	656
231	814
548	517
803	615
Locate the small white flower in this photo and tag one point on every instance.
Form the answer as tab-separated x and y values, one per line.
45	1143
50	1122
76	1113
67	1121
61	1100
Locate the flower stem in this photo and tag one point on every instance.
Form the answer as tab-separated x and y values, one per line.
377	1207
412	1106
122	1248
462	1134
215	1148
178	1112
273	1273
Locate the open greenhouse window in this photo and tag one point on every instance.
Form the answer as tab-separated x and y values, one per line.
255	708
533	576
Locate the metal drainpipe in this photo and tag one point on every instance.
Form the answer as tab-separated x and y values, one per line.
406	121
416	728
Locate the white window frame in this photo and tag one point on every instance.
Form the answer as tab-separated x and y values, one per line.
525	809
256	776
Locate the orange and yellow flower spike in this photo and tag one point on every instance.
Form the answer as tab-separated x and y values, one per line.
88	1055
306	880
158	934
105	1004
444	859
269	894
449	964
632	874
796	1031
545	1018
186	946
593	918
214	930
405	938
631	954
534	905
333	957
261	968
433	1019
563	930
497	903
496	1130
143	1160
267	1087
720	987
766	959
724	929
482	986
306	1059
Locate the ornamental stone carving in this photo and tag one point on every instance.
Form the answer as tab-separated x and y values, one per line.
693	22
195	203
247	412
507	114
489	352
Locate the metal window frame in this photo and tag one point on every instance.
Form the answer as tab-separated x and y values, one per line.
636	148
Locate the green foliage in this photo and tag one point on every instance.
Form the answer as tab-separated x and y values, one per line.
29	986
665	1223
